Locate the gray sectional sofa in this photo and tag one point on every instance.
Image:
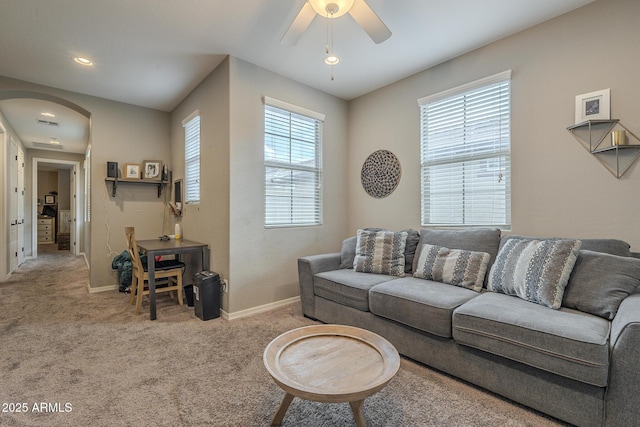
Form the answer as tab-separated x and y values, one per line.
579	362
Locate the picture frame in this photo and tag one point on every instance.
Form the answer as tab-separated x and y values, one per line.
132	170
152	169
49	199
593	106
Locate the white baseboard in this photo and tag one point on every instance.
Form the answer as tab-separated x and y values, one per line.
101	288
258	309
86	261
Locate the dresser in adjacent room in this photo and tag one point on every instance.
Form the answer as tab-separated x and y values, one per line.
45	230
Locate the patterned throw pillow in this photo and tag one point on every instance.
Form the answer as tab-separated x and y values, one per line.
380	252
534	270
452	266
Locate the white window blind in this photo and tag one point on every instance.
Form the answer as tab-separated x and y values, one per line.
293	170
192	158
466	154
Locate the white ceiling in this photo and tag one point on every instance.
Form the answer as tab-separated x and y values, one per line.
153	53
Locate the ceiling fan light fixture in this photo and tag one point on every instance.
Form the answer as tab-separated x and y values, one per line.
332	60
322	7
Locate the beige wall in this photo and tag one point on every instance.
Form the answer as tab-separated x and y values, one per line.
263	266
260	264
47	182
125	134
207	221
558	188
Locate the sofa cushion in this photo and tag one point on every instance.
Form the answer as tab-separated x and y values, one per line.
347	287
419	303
380	252
472	239
534	270
452	266
599	282
566	342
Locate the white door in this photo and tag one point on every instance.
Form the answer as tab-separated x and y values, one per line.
13	205
21	189
73	202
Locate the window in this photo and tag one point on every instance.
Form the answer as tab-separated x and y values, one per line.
292	160
192	158
466	155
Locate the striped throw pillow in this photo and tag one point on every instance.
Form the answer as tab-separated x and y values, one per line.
536	270
380	252
452	266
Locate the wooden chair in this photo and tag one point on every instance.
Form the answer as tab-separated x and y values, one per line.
167	273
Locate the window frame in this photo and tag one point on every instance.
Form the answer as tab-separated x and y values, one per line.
452	159
192	157
298	114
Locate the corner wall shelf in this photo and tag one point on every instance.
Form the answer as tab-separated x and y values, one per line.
114	183
616	158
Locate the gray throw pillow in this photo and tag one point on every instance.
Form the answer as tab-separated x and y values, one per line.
471	239
600	282
609	246
410	249
380	252
534	270
348	252
453	266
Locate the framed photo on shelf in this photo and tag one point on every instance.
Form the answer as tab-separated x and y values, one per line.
152	169
593	106
49	199
132	170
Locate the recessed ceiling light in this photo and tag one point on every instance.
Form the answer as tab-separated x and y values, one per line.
83	61
46	114
54	141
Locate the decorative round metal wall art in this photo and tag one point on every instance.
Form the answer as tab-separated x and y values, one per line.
380	173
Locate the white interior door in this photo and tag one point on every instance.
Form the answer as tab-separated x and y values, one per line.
21	189
73	207
13	205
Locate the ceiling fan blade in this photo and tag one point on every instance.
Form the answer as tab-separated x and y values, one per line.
297	27
369	21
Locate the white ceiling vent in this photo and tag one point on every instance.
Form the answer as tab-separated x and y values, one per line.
47	123
47	146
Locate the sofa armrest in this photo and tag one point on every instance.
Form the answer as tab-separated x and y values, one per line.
623	393
307	268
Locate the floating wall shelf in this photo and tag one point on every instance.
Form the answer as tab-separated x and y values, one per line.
595	137
115	181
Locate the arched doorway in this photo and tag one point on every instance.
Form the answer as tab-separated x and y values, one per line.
36	135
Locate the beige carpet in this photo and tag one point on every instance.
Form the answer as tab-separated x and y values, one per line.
91	361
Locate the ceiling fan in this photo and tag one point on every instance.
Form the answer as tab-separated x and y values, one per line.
358	9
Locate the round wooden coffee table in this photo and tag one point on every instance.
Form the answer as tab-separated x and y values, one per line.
330	363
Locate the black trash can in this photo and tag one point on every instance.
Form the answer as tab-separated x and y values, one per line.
206	294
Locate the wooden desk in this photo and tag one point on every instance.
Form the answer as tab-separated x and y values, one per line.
156	247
